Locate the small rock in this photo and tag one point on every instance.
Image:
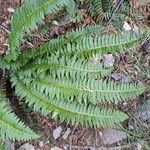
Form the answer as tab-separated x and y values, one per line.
41	143
65	136
55	23
27	146
146	46
11	10
121	77
57	132
126	26
144	111
56	148
112	136
109	60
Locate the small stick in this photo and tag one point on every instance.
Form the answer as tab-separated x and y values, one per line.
118	5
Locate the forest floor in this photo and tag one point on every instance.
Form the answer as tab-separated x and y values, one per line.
57	135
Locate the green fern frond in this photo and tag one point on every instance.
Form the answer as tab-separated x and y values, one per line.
81	43
65	68
71	112
85	40
87	90
99	7
106	9
91	46
10	126
26	18
78	33
71	37
124	9
70	8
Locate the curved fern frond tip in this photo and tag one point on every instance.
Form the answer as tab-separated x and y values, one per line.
11	127
27	18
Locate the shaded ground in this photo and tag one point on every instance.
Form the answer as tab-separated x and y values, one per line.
134	66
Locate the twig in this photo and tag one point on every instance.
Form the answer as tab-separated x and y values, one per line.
4	28
118	5
71	137
102	147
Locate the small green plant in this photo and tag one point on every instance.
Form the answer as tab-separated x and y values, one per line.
58	77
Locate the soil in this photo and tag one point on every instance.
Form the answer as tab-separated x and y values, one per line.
79	138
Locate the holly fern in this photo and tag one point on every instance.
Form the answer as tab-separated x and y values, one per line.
59	79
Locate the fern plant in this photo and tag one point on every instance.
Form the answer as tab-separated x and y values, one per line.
109	10
11	127
59	79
